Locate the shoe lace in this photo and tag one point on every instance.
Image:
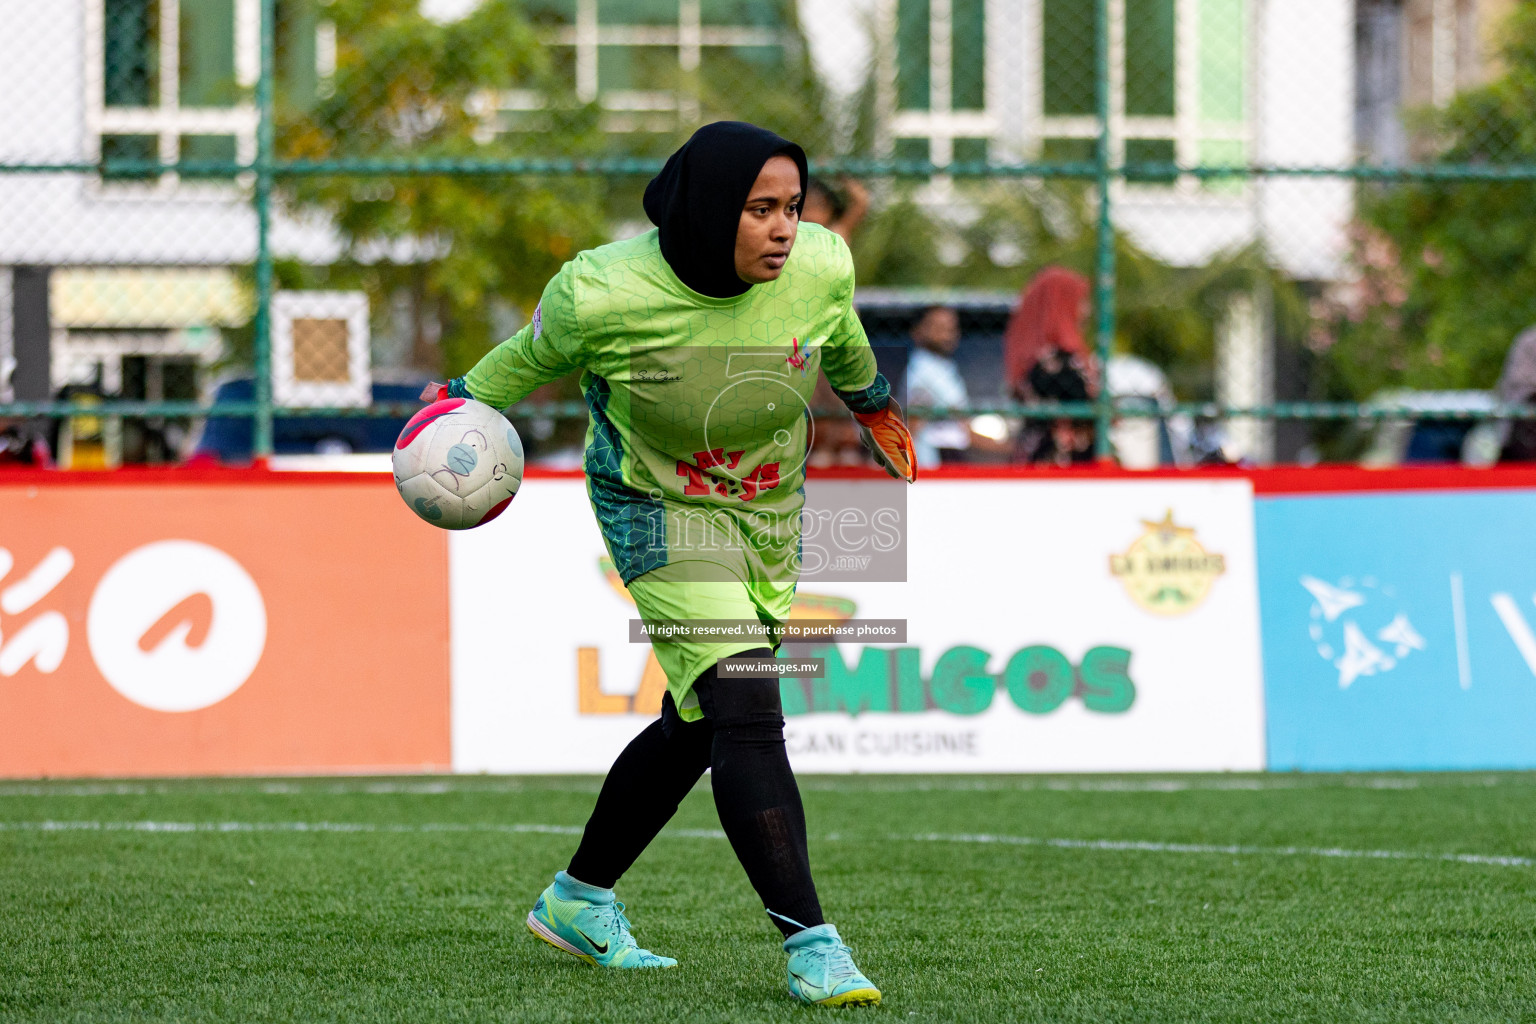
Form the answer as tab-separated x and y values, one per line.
623	938
621	925
836	961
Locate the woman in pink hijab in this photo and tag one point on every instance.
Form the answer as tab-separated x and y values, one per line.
1046	359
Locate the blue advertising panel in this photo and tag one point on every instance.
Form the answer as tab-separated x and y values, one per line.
1399	630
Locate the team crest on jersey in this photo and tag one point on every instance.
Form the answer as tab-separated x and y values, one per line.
796	358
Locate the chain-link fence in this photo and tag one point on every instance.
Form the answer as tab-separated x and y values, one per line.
1293	227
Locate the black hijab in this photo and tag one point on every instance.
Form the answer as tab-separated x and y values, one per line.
697	198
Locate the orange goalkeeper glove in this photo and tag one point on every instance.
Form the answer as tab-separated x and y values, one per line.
889	440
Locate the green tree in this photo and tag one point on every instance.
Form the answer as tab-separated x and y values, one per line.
1164	313
461	246
1445	270
774	86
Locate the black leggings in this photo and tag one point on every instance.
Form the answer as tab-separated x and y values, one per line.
741	738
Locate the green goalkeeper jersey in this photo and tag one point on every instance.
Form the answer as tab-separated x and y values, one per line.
699	424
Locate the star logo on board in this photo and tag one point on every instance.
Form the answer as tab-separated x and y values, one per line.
1167	571
1359	628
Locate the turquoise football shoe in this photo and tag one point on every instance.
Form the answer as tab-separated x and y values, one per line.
588	922
822	972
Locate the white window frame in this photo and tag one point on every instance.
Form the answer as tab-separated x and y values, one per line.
939	124
167	119
638	109
1185	127
354	393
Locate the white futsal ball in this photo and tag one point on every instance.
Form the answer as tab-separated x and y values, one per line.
458	463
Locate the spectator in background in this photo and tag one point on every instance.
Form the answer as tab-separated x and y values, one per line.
23	444
934	379
1517	386
839	208
1046	359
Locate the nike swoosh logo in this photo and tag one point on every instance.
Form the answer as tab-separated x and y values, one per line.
590	941
416	424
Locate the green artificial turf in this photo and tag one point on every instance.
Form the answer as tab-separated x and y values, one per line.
419	917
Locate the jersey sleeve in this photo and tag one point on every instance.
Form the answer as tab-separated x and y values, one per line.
846	357
546	349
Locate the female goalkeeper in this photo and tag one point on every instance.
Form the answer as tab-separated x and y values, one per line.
699	344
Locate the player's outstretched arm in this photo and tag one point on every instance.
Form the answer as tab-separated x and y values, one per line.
546	349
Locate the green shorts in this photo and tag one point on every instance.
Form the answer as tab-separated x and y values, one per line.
705	590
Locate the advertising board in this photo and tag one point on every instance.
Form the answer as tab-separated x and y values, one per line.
1104	625
207	628
1399	630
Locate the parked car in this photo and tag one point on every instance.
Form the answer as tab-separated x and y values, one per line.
231	438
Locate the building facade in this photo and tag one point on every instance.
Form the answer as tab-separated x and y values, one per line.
1280	83
131	278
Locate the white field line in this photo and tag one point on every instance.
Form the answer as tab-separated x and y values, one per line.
970	838
408	787
1139	846
284	826
863	784
963	785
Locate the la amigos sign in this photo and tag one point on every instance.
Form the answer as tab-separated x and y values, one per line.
1038	679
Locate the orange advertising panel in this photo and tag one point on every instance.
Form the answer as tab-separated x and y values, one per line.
228	625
